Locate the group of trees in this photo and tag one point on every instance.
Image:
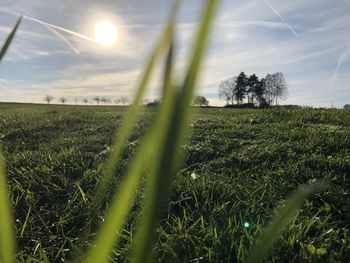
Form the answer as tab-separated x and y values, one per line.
98	100
265	91
200	101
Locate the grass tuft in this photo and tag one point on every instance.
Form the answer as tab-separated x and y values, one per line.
283	216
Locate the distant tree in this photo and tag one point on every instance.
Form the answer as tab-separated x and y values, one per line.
252	83
76	100
275	87
241	87
200	101
347	106
49	98
259	91
85	100
280	86
124	100
227	90
269	89
63	100
97	99
104	100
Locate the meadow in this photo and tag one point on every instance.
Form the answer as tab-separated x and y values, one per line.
239	165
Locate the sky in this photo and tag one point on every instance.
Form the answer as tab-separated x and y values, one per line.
309	41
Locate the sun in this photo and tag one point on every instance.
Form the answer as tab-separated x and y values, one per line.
106	33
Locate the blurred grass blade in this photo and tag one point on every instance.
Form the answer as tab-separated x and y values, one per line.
170	137
109	233
7	241
198	53
9	39
132	113
283	216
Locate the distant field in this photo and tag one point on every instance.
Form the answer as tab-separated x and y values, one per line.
245	163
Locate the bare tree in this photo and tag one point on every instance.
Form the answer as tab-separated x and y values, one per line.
76	100
200	101
227	90
275	87
97	99
49	98
269	88
280	86
85	100
124	100
63	100
104	100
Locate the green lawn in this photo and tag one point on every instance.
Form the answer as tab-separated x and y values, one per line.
239	166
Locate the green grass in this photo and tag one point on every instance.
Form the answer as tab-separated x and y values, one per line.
121	207
246	161
161	145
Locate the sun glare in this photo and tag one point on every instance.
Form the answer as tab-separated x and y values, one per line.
106	33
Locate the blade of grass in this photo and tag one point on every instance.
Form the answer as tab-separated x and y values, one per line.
9	39
108	234
26	221
83	195
7	240
132	113
165	111
283	216
170	138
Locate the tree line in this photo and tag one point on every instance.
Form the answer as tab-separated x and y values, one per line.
265	91
197	101
235	90
86	101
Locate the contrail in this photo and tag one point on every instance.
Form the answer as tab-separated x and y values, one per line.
53	29
315	54
283	20
55	32
71	32
63	38
340	62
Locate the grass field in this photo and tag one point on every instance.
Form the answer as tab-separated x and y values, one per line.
239	166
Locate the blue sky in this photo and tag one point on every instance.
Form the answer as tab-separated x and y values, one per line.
247	36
